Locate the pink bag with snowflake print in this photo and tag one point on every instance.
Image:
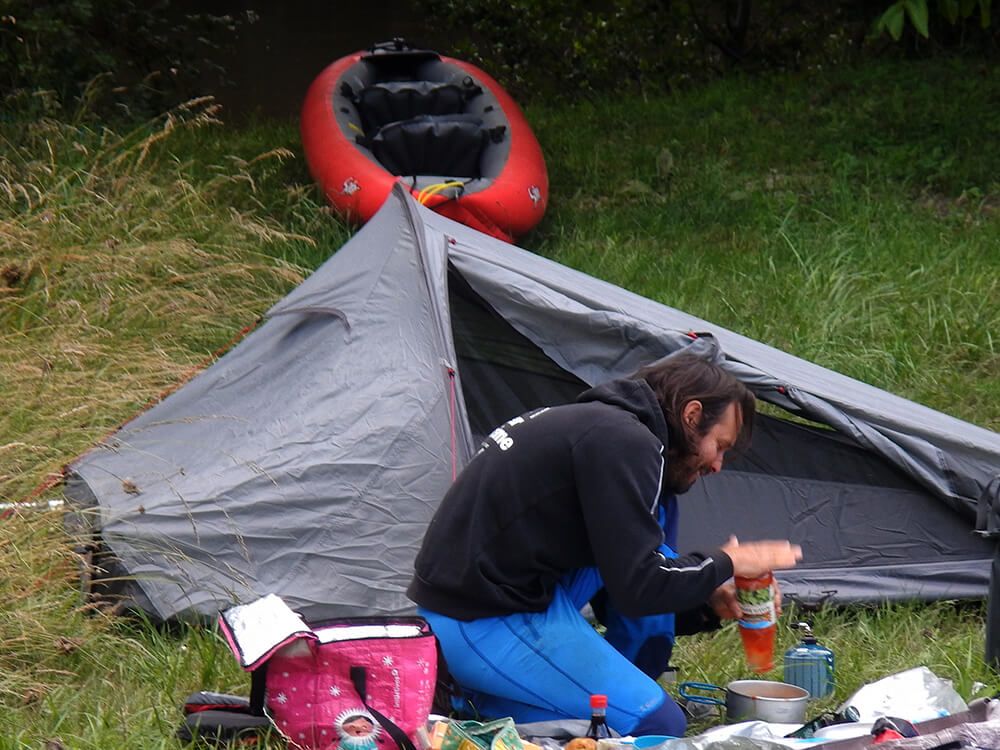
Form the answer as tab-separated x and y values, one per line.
349	684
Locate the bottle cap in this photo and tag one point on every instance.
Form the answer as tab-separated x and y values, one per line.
807	633
598	701
759	582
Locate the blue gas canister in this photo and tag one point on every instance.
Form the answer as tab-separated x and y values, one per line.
809	664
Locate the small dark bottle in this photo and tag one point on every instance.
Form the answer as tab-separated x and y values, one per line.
598	729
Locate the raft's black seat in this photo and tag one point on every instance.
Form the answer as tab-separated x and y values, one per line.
448	145
392	101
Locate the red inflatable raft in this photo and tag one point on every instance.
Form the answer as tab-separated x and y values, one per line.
443	127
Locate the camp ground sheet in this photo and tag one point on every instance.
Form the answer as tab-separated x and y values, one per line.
940	715
977	727
930	703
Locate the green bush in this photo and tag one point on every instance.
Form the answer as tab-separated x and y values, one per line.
580	47
925	18
129	56
568	48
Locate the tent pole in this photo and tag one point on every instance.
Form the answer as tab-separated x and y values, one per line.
988	527
993	611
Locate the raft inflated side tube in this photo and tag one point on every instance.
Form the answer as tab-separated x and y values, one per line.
350	182
519	195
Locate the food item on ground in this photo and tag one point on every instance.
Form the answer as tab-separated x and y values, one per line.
437	734
581	743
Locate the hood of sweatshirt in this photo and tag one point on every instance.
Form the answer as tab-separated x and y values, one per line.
634	396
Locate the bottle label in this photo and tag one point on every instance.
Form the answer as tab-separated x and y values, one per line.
757	606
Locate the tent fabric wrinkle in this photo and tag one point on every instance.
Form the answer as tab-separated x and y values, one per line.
304	310
309	459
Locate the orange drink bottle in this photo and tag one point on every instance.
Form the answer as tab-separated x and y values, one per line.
758	621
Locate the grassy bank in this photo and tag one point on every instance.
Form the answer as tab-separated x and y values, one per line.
849	218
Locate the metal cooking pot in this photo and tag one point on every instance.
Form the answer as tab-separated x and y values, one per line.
746	700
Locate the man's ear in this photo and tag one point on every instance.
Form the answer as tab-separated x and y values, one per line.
691	415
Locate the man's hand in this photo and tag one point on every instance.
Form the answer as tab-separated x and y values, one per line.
754	559
724	603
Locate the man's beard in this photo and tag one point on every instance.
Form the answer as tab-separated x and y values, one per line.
682	472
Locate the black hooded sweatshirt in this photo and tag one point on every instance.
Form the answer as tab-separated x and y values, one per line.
555	490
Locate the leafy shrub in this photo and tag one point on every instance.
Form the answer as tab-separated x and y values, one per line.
573	47
125	55
961	14
569	48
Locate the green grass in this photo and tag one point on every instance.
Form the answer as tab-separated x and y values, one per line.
850	218
868	643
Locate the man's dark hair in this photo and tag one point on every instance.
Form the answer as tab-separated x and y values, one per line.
686	377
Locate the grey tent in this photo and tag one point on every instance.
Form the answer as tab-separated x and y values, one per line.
308	460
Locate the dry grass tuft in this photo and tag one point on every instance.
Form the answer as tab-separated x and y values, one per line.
127	262
122	269
44	628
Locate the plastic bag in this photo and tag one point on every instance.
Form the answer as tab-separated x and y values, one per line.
915	695
474	735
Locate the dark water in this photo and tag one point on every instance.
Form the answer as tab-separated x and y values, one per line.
274	59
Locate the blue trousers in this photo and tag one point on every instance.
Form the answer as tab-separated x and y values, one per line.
543	666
